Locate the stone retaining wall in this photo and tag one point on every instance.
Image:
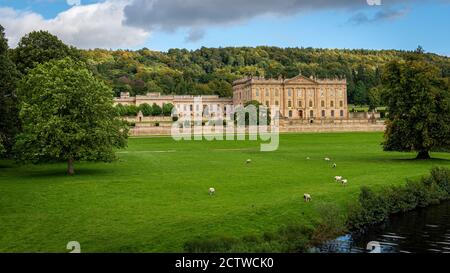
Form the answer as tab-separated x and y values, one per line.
345	126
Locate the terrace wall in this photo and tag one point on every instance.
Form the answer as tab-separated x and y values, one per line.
337	126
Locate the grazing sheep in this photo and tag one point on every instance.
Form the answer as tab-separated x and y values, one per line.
338	178
327	159
334	165
344	182
249	161
212	191
308	158
307	197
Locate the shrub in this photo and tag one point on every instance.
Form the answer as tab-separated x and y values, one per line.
167	109
157	124
131	110
175	119
156	110
331	224
441	177
146	109
375	207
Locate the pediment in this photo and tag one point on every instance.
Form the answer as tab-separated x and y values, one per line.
300	79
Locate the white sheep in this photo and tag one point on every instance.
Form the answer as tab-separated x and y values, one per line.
212	191
334	165
308	158
327	159
338	178
344	182
307	197
249	161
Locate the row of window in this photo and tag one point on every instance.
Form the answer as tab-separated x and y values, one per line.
300	92
213	107
311	113
311	104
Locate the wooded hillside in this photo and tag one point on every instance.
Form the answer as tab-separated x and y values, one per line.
212	70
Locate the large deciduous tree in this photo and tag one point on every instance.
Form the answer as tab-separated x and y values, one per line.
8	102
2	149
418	101
39	47
67	115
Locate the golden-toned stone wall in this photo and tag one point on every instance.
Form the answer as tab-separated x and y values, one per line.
297	98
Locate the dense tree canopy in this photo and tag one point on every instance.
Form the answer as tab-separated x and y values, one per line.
418	100
39	47
67	115
212	70
8	102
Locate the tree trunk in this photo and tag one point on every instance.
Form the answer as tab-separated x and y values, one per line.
70	167
423	155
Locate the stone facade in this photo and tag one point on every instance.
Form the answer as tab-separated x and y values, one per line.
298	98
184	105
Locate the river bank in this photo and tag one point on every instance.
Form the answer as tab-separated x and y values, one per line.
425	230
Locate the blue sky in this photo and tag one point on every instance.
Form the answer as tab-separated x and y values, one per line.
133	24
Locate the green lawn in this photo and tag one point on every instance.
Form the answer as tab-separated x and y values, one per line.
155	197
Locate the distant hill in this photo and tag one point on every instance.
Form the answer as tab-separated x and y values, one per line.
212	70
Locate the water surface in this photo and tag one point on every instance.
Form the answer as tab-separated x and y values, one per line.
421	231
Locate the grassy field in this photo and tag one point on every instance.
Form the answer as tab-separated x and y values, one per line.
155	197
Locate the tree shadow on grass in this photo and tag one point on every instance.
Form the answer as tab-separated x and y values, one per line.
6	164
400	158
62	173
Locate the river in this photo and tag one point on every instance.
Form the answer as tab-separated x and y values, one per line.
424	230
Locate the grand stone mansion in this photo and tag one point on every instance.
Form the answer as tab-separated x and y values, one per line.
297	98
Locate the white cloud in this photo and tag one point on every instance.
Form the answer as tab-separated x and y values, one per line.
84	26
